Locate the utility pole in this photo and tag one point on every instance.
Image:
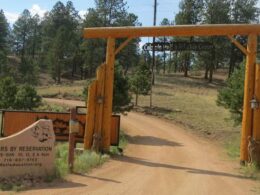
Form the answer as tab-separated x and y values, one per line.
153	63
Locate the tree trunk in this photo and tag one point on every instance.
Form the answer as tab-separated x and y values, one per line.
170	63
164	61
232	61
206	72
176	62
136	99
212	66
186	63
58	73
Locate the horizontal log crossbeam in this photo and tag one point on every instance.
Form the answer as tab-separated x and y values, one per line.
178	30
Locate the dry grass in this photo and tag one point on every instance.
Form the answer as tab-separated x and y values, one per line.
191	102
68	91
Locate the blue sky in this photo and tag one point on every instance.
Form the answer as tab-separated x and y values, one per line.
142	8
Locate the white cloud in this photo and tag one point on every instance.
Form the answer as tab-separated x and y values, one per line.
36	9
11	17
82	13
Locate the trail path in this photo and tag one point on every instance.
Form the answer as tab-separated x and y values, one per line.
161	158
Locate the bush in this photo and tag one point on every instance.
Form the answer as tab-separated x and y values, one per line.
27	98
8	92
21	97
231	96
122	98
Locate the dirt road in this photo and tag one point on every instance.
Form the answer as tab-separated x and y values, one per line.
161	158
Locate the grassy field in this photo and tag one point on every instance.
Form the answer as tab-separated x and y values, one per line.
68	91
191	102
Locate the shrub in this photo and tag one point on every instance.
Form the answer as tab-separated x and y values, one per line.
8	92
231	96
27	98
21	97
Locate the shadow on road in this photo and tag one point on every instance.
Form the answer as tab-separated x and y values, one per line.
145	162
152	141
98	178
58	184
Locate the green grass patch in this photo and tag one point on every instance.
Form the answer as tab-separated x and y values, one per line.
12	187
232	146
88	160
251	171
61	160
83	162
116	150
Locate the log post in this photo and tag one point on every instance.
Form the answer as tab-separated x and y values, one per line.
256	120
108	103
247	122
99	101
90	115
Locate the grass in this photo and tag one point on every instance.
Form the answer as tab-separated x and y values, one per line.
251	171
190	102
52	107
89	160
83	163
68	91
114	150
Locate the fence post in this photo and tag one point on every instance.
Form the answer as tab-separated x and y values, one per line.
73	130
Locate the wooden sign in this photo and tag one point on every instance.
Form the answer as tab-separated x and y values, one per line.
15	121
178	46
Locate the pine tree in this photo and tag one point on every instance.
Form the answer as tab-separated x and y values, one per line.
4	31
61	35
140	81
190	13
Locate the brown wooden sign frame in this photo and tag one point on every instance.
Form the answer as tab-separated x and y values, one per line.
60	124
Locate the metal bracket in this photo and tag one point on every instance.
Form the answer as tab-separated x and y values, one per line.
100	99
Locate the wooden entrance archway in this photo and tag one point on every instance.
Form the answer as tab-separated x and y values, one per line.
101	90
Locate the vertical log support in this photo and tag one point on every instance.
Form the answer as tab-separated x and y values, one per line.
247	122
99	101
90	117
256	120
108	100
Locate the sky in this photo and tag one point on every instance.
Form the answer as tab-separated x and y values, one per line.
142	8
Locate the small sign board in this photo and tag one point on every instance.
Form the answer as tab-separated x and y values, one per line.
178	46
